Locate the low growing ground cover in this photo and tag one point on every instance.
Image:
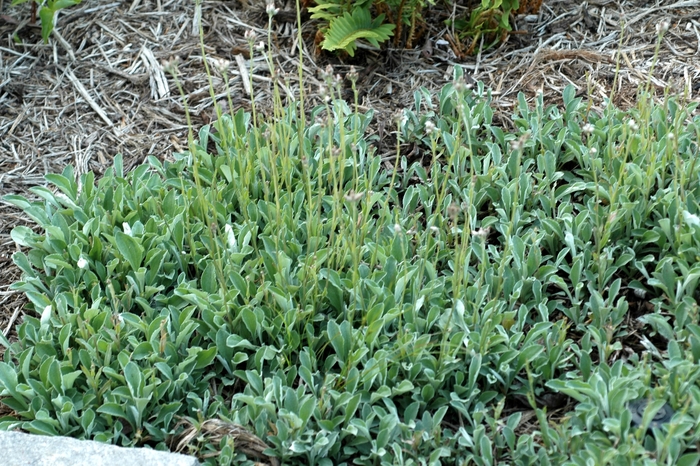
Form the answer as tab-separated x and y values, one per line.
279	277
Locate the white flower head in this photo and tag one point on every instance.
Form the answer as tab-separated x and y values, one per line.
221	64
691	219
323	92
170	66
352	75
588	128
260	47
82	263
352	196
662	26
327	74
593	151
270	9
46	315
481	232
230	237
127	228
397	228
250	35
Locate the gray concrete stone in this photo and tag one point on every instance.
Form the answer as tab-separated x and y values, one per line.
18	449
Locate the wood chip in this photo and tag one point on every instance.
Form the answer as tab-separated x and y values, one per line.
245	77
158	81
86	95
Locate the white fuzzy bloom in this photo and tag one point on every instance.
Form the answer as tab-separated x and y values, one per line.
662	26
230	237
328	72
46	315
82	263
170	66
691	219
588	128
593	151
127	228
270	9
352	196
221	64
481	232
397	228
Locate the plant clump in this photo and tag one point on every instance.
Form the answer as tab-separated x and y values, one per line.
286	296
343	23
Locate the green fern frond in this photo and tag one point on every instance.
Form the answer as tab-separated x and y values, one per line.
325	11
344	31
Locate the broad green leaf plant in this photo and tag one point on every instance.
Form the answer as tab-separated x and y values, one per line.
488	24
347	28
485	25
48	11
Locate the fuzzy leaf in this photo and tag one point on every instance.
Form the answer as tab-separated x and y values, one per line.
130	248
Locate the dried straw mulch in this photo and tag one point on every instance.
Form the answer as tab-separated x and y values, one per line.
97	89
